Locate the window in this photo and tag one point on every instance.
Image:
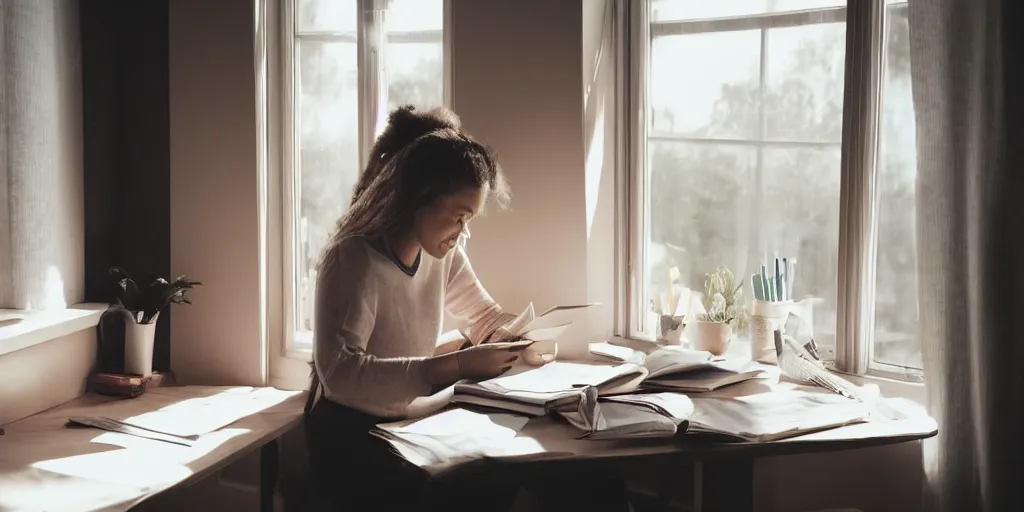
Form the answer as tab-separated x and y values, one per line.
346	64
738	157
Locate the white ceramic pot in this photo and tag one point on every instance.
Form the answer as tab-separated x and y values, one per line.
670	329
138	346
765	318
713	337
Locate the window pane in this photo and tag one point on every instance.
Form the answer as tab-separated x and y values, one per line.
799	218
415	74
804	83
706	85
327	154
415	15
326	16
682	10
700	209
896	335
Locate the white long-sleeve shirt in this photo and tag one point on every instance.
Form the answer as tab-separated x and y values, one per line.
376	323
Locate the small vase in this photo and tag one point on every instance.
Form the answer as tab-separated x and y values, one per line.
713	337
138	346
670	329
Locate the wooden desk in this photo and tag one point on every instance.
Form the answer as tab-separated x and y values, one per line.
46	465
722	472
550	445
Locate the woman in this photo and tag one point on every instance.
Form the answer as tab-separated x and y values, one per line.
379	309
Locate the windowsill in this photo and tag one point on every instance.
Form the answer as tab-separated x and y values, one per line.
42	326
892	388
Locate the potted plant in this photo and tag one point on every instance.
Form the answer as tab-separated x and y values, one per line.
722	311
141	303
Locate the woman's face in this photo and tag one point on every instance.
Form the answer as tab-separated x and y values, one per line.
439	225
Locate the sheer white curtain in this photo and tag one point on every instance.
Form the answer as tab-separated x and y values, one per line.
42	229
970	250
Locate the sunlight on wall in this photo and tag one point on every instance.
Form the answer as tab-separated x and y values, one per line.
594	167
51	291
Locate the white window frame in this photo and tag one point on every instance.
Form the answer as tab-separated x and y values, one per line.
858	221
284	173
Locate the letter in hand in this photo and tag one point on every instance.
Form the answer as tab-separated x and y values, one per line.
501	335
489	360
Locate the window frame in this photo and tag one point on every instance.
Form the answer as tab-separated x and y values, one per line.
863	80
372	111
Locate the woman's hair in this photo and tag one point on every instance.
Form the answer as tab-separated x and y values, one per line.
419	157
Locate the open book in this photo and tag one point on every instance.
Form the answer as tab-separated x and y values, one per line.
775	415
679	369
549	325
650	415
760	417
559	386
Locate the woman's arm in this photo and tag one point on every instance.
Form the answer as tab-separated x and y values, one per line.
346	308
465	297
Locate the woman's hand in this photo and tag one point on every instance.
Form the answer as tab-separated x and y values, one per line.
480	362
483	362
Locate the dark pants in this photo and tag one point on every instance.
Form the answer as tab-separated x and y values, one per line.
361	472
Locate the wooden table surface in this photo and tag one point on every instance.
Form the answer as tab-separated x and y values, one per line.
47	465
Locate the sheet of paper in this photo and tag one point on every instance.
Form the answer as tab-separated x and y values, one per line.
452	435
616	352
518	326
558	376
198	416
556	316
776	412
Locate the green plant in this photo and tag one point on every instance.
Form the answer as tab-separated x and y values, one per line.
722	297
145	301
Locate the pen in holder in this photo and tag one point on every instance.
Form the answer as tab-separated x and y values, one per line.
765	318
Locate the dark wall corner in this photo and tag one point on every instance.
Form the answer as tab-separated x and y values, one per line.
127	149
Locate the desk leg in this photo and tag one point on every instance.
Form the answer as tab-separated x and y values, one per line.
269	460
698	486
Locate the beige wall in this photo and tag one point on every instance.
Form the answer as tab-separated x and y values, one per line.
516	84
214	192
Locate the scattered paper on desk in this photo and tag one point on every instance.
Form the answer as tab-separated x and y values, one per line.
558	376
450	436
198	416
617	352
776	414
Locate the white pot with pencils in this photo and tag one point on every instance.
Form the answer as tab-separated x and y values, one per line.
772	303
765	318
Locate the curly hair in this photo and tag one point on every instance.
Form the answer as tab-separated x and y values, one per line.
419	157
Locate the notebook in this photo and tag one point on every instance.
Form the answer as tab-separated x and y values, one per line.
636	416
679	369
555	386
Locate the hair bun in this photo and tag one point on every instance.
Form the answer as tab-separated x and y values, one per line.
406	124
